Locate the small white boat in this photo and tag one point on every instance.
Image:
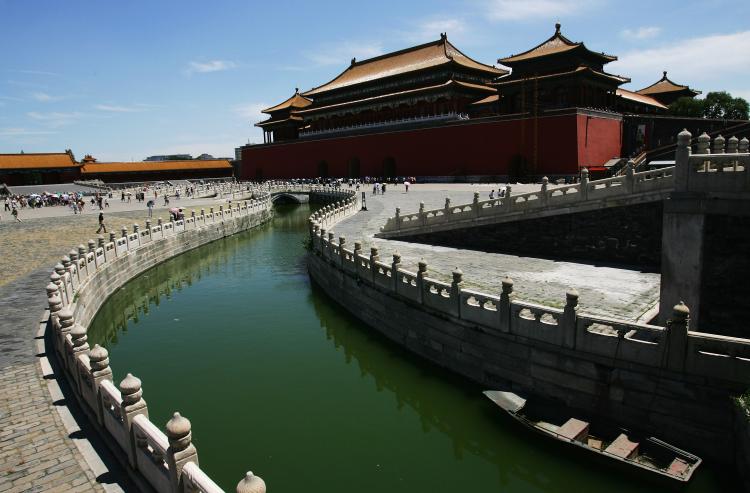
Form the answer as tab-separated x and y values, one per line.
649	454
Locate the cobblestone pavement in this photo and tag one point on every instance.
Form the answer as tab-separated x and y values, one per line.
604	290
35	453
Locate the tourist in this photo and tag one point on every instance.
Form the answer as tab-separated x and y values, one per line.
406	185
106	203
492	194
150	205
7	204
101	224
382	188
14	213
122	197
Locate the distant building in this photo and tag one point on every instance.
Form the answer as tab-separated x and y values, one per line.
192	169
38	168
170	157
432	111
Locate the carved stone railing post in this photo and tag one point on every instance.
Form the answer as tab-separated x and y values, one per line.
53	299
503	310
475	204
66	321
100	371
180	451
136	228
92	246
630	175
570	318
100	241
545	184
251	484
458	277
112	237
422	215
322	242
732	147
397	218
682	161
447	210
677	337
421	273
744	145
123	232
342	255
374	257
357	253
133	404
395	264
584	188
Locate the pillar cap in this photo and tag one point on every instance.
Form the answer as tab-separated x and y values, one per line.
178	426
251	484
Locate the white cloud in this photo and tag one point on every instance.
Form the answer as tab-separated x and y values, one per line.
341	53
210	66
22	132
43	97
643	32
513	10
56	119
251	111
119	109
708	63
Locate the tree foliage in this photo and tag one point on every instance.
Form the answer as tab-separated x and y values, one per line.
719	105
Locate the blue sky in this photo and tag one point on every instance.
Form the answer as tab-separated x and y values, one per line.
126	79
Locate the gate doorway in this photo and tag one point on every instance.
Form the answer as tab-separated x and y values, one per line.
389	167
354	170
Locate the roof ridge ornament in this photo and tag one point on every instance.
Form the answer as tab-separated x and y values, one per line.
557	28
354	60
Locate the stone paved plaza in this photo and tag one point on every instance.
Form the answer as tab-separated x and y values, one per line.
604	290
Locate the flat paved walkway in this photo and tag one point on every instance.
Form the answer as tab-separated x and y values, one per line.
604	290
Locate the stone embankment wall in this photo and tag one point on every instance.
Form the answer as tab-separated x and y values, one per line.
669	381
79	286
625	235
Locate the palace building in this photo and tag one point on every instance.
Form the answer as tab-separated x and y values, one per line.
432	111
52	168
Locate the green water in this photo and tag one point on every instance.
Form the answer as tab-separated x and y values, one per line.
277	380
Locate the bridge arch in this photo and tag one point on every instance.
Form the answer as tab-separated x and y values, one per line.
290	198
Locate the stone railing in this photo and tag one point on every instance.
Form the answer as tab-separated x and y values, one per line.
673	347
723	168
635	185
167	462
345	204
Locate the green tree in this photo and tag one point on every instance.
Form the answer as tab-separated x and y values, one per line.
718	104
688	107
722	105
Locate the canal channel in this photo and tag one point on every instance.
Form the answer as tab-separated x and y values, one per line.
277	379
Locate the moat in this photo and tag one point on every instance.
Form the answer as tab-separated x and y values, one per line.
276	378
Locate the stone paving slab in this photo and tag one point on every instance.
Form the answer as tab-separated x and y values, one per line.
604	290
35	452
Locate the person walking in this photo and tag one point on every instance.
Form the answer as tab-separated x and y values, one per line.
14	213
101	224
150	205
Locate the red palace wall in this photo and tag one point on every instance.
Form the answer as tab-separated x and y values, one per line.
558	144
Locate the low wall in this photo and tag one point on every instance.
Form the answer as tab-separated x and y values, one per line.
669	381
81	283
